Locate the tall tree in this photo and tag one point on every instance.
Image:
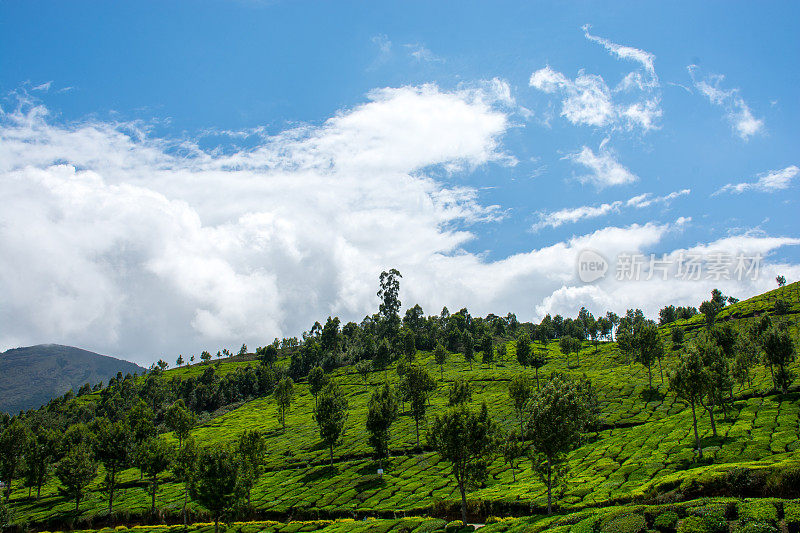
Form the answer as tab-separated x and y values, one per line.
250	450
363	368
113	449
183	468
466	439
416	386
537	360
689	382
14	441
331	416
389	293
180	420
469	348
519	389
156	457
558	416
284	392
75	471
382	411
41	452
512	449
317	380
215	482
440	357
523	346
779	351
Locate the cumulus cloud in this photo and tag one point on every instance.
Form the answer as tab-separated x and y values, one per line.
737	112
588	100
144	247
772	181
569	215
605	169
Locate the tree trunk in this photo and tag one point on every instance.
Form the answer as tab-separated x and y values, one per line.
38	490
463	503
216	524
513	473
111	479
696	435
650	377
153	504
416	421
710	410
77	505
537	378
185	500
331	448
549	488
661	370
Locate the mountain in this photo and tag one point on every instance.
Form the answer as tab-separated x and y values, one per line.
31	376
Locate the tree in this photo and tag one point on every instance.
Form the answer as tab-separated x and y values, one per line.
502	351
180	420
390	303
557	417
779	351
460	392
466	439
183	468
523	346
512	449
113	448
250	450
487	348
179	361
677	337
440	357
205	356
715	375
519	389
416	386
537	360
243	350
469	348
331	415
75	471
284	392
781	280
155	458
409	345
317	380
613	318
14	441
41	452
363	368
648	348
267	355
215	482
383	356
382	411
747	353
565	344
689	383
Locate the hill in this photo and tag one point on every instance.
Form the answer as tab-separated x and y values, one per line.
640	462
32	376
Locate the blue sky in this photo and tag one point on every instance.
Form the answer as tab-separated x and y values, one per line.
516	130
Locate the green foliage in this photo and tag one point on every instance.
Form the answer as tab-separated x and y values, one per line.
632	523
382	412
215	482
757	510
284	392
75	471
666	522
331	415
459	392
756	527
250	450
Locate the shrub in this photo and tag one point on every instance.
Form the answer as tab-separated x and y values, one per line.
784	483
757	511
739	480
632	523
587	525
708	523
666	521
456	527
756	527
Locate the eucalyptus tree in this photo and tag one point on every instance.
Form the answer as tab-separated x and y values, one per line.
382	411
331	415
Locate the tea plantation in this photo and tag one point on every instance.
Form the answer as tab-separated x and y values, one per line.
637	472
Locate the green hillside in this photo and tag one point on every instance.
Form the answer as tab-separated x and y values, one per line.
639	462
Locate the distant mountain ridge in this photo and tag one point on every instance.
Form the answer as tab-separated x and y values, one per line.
33	375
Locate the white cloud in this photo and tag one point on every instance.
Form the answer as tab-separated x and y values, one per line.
737	111
588	100
646	59
420	53
569	215
605	169
144	247
774	180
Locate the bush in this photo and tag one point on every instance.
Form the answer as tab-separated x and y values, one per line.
756	527
587	525
666	521
456	527
5	514
739	480
632	523
757	511
492	520
708	523
781	307
784	483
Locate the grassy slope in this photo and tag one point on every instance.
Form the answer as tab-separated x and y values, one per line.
643	446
